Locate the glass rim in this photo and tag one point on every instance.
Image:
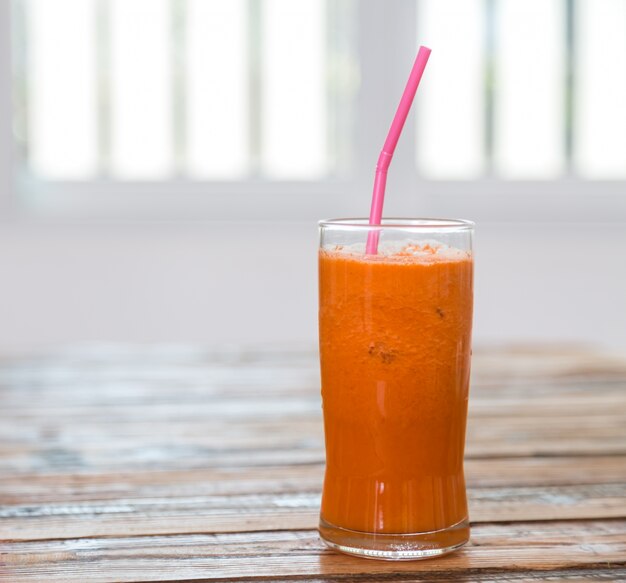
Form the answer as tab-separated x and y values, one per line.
400	223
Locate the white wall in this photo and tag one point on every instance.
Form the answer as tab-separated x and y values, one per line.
212	283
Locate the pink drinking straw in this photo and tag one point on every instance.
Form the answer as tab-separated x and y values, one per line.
384	160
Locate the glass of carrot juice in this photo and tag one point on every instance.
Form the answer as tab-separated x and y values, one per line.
395	345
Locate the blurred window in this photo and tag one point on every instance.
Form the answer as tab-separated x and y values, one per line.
293	97
199	89
523	89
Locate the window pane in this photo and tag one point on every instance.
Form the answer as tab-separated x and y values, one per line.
293	95
61	88
451	100
141	93
148	89
600	103
529	88
217	88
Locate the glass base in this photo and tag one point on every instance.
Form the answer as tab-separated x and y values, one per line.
395	547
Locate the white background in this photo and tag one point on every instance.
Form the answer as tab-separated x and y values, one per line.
550	264
249	283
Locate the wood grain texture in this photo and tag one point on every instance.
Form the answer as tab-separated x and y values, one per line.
179	464
497	548
283	511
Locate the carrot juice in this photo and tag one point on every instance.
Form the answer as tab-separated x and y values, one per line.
395	345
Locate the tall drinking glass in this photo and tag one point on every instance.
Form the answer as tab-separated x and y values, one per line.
395	346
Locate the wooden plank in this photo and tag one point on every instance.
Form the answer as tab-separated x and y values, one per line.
99	402
536	361
306	405
168	452
280	511
44	487
546	471
77	381
571	575
504	436
197	376
595	575
495	549
508	427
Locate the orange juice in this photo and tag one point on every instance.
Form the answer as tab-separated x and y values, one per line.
395	344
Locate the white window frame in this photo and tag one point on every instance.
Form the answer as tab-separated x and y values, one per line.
385	61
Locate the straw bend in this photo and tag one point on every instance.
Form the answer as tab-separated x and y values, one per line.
384	160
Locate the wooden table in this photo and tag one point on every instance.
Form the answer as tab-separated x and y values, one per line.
179	464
